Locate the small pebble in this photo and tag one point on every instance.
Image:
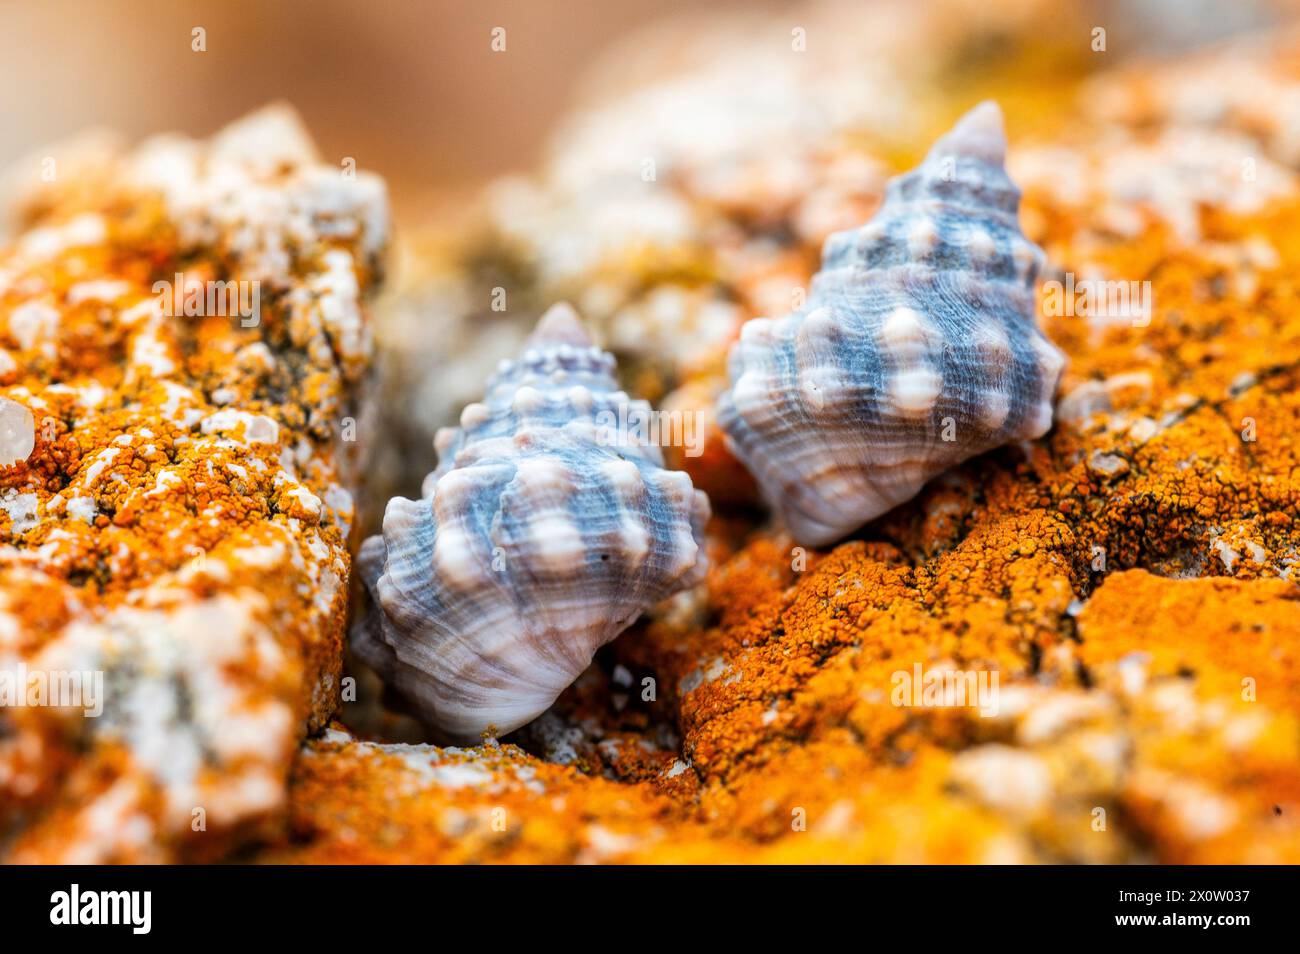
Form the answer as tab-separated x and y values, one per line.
17	432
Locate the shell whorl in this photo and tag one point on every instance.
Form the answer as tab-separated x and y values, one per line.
541	535
916	348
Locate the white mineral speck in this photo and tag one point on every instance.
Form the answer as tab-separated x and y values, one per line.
306	499
83	508
678	767
21	509
32	322
1004	778
1227	554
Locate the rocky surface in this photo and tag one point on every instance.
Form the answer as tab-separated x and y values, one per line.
178	534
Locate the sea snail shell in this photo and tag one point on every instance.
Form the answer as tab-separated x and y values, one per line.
542	534
916	349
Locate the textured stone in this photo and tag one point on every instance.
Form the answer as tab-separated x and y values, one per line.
166	539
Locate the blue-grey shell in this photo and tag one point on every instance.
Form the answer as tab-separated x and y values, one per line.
542	534
917	347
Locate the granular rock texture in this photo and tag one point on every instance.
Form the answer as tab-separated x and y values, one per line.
184	322
1130	578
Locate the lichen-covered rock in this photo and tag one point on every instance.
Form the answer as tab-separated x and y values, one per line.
371	803
189	338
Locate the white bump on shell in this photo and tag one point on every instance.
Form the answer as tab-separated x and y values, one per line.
556	543
981	244
993	409
922	238
904	326
914	392
528	400
453	556
473	415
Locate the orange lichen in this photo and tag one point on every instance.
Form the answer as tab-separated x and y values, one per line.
365	803
180	528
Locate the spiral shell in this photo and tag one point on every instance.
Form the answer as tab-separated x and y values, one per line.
916	349
543	533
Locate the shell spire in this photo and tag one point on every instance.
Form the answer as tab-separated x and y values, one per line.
561	325
544	532
978	134
916	348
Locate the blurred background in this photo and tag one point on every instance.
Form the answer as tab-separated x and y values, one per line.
411	90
